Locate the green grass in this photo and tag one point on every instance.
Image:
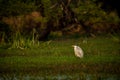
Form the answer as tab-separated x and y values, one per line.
101	55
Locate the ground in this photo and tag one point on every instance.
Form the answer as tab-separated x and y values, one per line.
101	55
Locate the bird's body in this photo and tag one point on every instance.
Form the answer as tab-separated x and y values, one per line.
78	51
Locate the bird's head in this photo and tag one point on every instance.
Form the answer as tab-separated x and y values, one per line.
74	45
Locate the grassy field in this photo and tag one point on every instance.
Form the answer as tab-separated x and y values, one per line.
101	55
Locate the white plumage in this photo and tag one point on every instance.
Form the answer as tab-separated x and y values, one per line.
78	51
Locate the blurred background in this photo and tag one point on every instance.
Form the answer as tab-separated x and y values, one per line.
40	20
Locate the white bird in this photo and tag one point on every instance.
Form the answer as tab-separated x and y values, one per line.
78	51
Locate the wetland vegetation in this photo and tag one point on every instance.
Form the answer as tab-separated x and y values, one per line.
56	58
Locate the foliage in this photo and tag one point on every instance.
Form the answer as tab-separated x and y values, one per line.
45	17
13	7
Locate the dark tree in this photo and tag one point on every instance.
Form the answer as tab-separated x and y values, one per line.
110	5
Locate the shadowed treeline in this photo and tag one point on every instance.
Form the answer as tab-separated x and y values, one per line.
37	20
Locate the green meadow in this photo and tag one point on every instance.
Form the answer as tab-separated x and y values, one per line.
101	56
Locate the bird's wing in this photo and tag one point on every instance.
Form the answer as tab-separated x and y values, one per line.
79	49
